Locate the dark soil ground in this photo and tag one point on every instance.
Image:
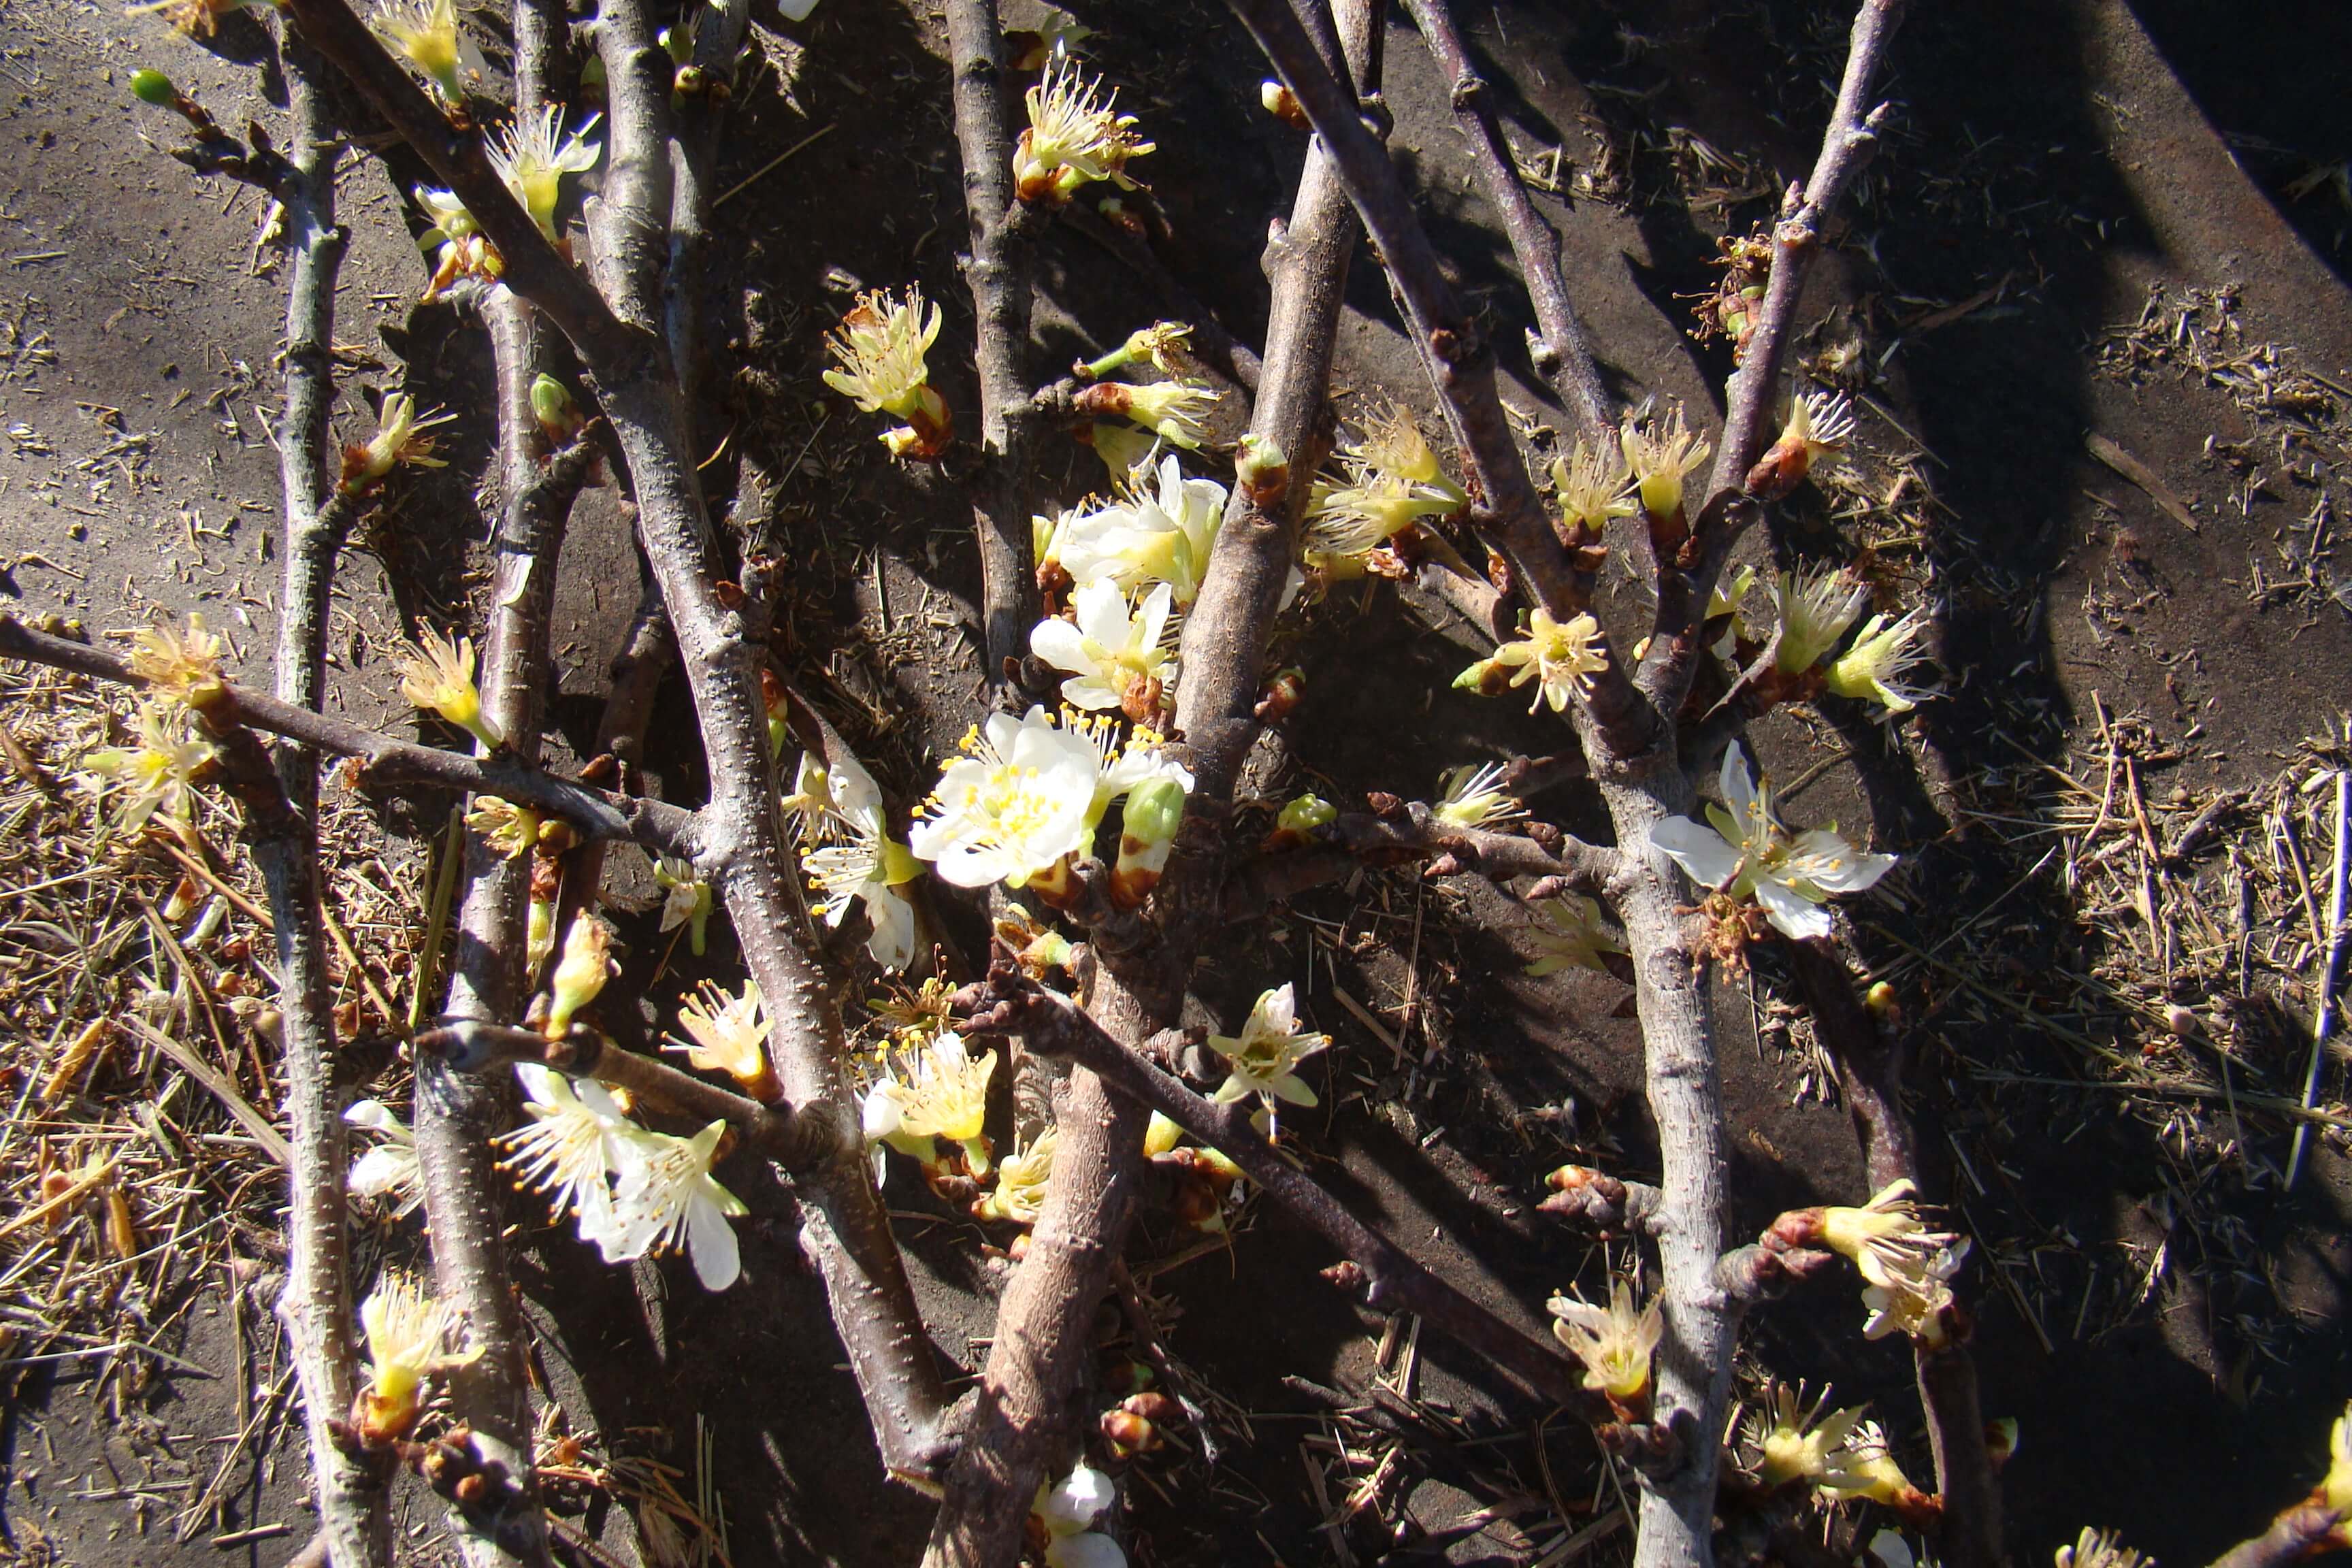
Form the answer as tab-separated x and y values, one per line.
2055	243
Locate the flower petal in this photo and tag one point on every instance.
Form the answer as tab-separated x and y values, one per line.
1698	849
711	1240
1794	914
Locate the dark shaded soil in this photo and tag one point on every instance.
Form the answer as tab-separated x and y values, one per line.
2047	172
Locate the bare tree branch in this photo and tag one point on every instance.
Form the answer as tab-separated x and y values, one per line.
743	852
1753	396
998	272
1561	349
1461	366
2299	1532
1392	1280
282	809
388	762
1043	1344
466	1198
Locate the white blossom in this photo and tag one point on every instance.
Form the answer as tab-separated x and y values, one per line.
390	1167
666	1197
1110	649
1013	807
1748	851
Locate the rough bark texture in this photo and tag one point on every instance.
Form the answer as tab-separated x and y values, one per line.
317	1307
998	272
466	1199
844	1229
1560	346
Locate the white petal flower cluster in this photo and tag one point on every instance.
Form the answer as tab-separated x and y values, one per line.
1160	535
634	1190
1747	851
1029	792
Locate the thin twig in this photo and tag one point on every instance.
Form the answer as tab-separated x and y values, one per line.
466	1198
1754	390
384	759
1460	364
281	822
1390	1278
1870	1078
1561	347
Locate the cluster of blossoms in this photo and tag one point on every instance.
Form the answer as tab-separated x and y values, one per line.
1907	1268
1838	1454
1389	481
157	777
1159	536
634	1191
531	156
1742	850
1023	802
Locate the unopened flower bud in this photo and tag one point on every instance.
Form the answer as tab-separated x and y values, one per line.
153	87
1262	469
553	407
1128	1434
1282	104
580	974
1160	1136
1155	809
1305	814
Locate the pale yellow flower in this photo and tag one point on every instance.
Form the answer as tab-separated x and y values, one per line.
1021	1182
1075	135
728	1034
425	34
1263	1059
400	437
439	675
532	154
159	774
1595	487
409	1335
1614	1342
1662	452
183	665
1559	655
509	828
